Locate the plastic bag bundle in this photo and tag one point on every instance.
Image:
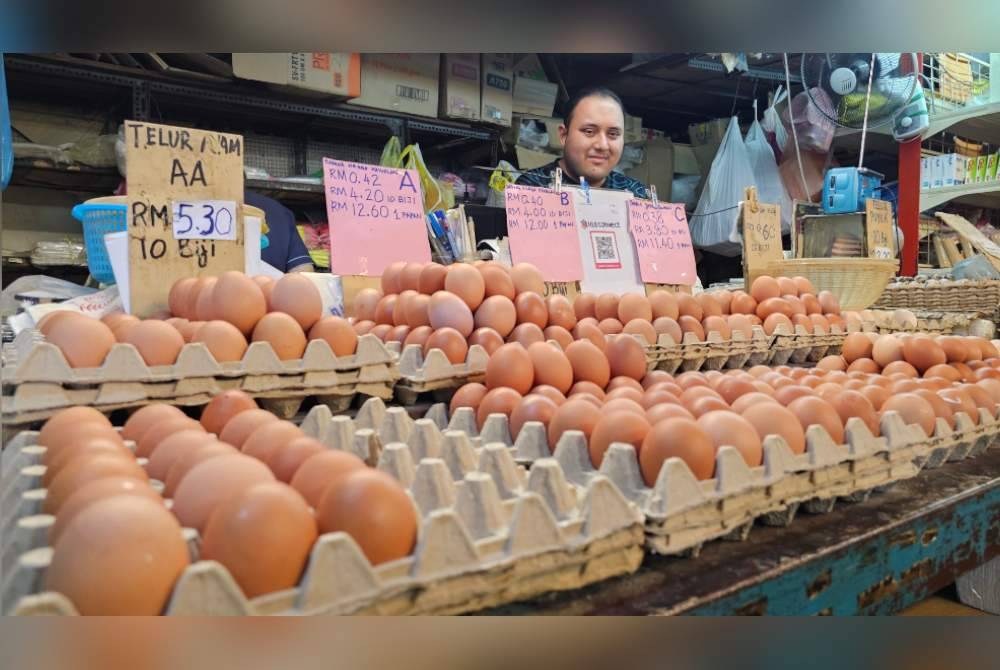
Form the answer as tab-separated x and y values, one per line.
713	224
411	159
390	153
773	128
770	188
814	128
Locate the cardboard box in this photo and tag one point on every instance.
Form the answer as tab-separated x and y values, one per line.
658	167
981	169
528	159
534	97
461	97
530	67
925	173
970	170
950	174
406	83
325	73
497	89
633	129
991	167
937	172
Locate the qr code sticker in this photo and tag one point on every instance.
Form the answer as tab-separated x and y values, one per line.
605	247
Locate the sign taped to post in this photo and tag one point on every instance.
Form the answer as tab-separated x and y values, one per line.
879	233
541	227
169	165
376	217
662	242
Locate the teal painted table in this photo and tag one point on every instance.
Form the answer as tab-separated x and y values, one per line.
875	557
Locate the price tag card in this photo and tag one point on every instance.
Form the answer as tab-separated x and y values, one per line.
180	180
204	220
541	226
662	242
879	229
376	217
761	230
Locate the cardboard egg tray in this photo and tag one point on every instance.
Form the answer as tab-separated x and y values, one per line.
419	375
490	534
715	353
38	381
799	345
933	322
942	295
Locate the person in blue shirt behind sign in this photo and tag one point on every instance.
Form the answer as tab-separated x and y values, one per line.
593	138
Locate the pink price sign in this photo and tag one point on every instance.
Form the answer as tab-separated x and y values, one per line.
541	227
376	217
662	242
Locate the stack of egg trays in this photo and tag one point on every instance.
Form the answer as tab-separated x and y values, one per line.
39	381
490	534
420	375
800	345
682	513
714	353
934	323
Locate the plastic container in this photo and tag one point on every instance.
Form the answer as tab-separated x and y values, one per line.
100	216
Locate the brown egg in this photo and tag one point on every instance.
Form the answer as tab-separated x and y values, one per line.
828	302
742	304
944	372
238	300
158	342
487	338
731	388
385	308
202	298
223	408
402	305
664	304
981	397
664	325
266	286
777	321
804	321
283	333
803	285
726	428
606	307
770	418
409	277
47	322
83	341
270	438
533	407
61	427
654	377
160	430
642	328
740	323
689	324
821	322
398	334
321	470
93	492
465	282
617	426
665	411
432	278
415	310
450	342
774	306
374	510
787	394
627	357
469	395
240	426
787	286
591	333
857	345
119	556
611	326
991	386
447	310
223	340
527	278
912	409
174	447
634	306
141	420
740	404
575	414
676	438
86	448
558	334
498	313
899	367
765	287
80	471
531	308
960	401
923	353
364	303
500	400
854	404
624	382
688	306
560	311
865	365
265	515
497	280
336	332
391	277
510	366
709	305
551	366
526	334
717	324
382	331
941	407
189	329
831	363
811	410
584	305
876	395
177	299
296	296
587	388
186	462
725	300
550	392
212	482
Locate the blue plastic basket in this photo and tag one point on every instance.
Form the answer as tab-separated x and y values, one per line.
100	217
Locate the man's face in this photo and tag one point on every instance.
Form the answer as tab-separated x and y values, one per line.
593	143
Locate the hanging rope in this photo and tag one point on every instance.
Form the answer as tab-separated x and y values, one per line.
864	122
795	136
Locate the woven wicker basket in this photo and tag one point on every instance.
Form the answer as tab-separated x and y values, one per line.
857	282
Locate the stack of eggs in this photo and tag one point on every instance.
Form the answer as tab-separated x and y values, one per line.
247	481
223	313
950	357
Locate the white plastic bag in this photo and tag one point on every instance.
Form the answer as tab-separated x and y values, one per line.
772	125
713	224
770	188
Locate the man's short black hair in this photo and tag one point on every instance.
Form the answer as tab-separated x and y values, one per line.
587	92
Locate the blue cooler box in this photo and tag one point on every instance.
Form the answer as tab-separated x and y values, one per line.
846	189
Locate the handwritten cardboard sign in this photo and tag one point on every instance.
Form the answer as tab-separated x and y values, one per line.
376	217
541	226
168	165
879	229
760	226
662	242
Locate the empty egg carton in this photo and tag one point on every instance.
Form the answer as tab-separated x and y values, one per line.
435	372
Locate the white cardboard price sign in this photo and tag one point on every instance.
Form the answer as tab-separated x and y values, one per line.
204	219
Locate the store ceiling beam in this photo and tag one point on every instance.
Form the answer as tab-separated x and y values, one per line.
759	72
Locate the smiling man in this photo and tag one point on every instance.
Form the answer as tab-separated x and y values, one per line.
593	136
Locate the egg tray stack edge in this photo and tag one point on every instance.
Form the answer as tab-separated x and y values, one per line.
714	353
798	345
38	381
490	534
931	322
942	295
683	513
420	375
